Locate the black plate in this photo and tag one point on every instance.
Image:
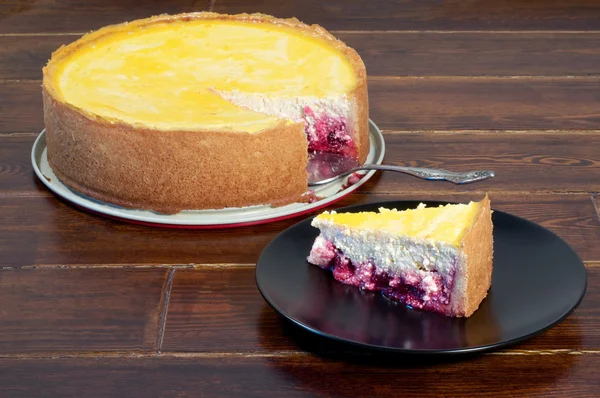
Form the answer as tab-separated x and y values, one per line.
537	281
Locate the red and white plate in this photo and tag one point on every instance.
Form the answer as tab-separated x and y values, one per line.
222	218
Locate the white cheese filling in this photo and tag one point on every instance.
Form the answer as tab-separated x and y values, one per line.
393	254
292	108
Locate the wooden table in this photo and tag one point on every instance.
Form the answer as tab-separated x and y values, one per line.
94	307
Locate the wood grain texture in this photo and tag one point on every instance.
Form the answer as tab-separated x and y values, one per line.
301	376
218	310
556	162
79	310
546	162
476	54
21	107
22	57
430	14
415	104
507	84
396	53
16	172
56	16
486	103
29	16
45	231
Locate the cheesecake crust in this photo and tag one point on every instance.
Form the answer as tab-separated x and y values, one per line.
477	248
168	171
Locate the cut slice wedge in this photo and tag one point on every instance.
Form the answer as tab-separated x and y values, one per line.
432	258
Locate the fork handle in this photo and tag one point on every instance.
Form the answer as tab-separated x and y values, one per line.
434	174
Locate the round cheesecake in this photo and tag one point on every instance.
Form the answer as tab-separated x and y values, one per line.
201	110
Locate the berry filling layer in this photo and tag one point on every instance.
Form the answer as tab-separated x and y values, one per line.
328	133
421	289
326	120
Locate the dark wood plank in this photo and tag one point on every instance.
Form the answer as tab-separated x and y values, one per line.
16	171
552	162
476	54
22	57
415	104
21	107
486	103
556	162
397	54
222	310
301	376
430	14
596	200
28	16
79	309
45	231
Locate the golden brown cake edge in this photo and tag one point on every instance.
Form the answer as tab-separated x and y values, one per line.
150	169
360	100
477	246
72	173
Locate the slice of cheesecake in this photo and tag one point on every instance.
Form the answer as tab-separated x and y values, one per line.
201	110
432	258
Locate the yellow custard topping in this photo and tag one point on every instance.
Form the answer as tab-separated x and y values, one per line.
443	224
164	74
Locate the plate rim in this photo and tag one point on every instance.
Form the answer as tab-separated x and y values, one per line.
424	352
103	209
